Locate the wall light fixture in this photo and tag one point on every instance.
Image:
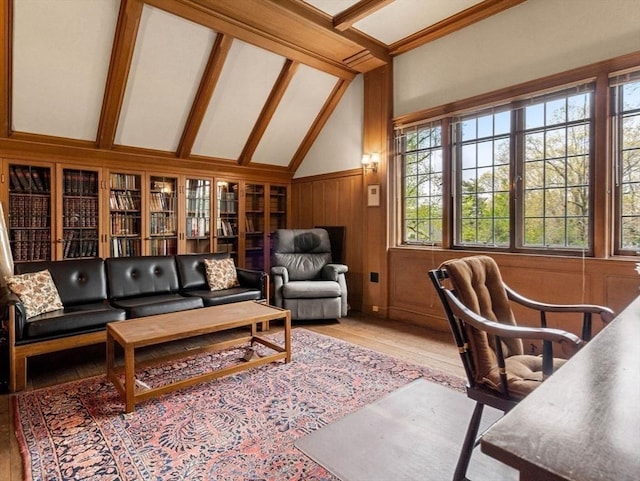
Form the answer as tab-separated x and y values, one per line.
370	162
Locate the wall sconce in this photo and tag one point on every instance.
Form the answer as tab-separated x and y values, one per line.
370	162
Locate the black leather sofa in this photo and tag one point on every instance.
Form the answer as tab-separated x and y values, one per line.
97	291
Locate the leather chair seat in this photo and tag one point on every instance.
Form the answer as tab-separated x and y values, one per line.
158	304
311	289
87	317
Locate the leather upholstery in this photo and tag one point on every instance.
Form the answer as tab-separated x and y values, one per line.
142	306
141	276
305	281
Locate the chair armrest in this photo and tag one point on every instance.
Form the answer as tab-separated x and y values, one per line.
280	276
606	314
280	272
505	330
252	278
332	272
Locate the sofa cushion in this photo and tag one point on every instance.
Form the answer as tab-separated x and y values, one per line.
141	276
221	274
79	281
311	289
158	304
72	319
36	291
226	296
191	270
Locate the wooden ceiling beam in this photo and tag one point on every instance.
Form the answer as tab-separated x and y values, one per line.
286	74
463	19
5	64
121	56
356	12
208	83
321	119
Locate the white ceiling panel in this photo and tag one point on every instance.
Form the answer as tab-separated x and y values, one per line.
300	105
245	83
331	7
168	62
402	18
61	53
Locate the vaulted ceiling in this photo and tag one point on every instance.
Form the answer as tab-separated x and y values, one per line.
229	82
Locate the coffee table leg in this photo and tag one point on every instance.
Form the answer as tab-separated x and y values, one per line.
129	379
287	336
110	354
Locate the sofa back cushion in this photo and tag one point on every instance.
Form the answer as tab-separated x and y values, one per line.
141	276
191	269
78	281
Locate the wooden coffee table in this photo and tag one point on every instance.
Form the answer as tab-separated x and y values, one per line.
152	330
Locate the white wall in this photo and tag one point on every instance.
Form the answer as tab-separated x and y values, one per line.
339	145
532	40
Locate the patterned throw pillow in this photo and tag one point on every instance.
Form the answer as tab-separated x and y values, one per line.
221	274
36	291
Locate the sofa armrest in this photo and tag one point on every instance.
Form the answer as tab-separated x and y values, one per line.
10	301
331	272
280	276
254	279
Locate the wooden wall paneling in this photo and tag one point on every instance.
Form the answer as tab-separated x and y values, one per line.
6	34
608	282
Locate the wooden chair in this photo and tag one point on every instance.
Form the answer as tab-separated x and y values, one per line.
499	374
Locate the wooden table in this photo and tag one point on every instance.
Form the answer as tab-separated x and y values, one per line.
153	330
583	423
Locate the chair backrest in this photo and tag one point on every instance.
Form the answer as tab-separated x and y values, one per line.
304	252
477	283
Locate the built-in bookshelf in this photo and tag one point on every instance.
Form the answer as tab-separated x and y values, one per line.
30	212
277	208
198	215
227	218
125	211
254	199
163	215
80	213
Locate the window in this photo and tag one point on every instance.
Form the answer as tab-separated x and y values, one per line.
556	165
625	94
421	149
481	148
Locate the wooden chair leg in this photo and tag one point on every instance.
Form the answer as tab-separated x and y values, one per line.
469	443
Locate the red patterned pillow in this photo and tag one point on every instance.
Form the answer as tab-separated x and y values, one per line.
221	274
36	291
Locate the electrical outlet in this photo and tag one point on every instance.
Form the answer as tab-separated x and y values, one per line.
375	308
373	276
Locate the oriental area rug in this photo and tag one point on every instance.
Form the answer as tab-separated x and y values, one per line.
240	427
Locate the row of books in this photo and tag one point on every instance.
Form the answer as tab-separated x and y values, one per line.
160	201
198	206
124	181
31	245
124	200
125	247
80	212
255	204
163	247
79	182
125	224
161	224
23	178
229	247
197	226
75	246
227	228
29	211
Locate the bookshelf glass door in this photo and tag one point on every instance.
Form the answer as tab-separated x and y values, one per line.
198	218
125	204
227	218
163	218
30	212
254	226
80	215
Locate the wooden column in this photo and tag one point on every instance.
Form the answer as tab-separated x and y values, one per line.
377	139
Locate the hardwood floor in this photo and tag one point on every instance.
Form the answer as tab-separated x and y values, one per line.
413	343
